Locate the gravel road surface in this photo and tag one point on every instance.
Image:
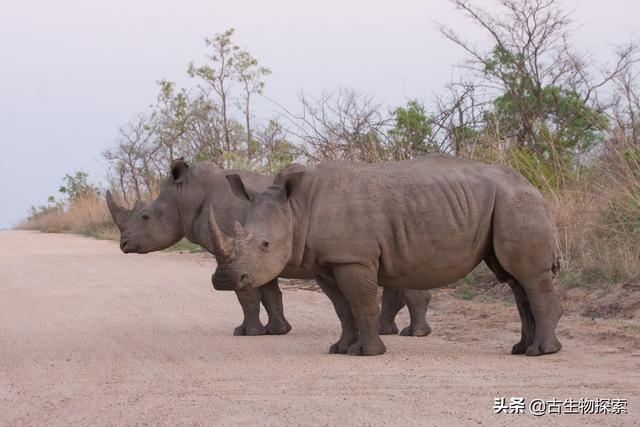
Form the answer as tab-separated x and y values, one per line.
91	336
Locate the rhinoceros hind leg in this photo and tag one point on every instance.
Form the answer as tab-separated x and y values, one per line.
522	302
538	303
526	317
524	246
392	303
349	333
547	310
418	303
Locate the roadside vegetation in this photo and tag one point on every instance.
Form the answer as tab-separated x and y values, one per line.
527	98
80	209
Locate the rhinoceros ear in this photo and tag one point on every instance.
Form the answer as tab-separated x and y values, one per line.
179	169
241	189
290	182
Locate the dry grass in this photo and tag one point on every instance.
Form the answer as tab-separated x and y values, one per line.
596	208
88	216
597	214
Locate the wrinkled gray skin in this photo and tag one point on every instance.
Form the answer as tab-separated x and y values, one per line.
416	224
181	210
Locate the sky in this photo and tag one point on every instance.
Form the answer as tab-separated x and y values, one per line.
72	72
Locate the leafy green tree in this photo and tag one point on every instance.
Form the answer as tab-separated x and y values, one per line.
539	102
543	118
76	187
411	131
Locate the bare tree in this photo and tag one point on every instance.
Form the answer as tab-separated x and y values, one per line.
136	158
251	77
461	114
219	75
274	148
344	125
625	109
538	84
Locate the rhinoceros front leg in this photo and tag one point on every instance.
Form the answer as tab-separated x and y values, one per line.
250	302
360	288
418	303
271	297
349	333
393	300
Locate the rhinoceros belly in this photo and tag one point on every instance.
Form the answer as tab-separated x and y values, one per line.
436	237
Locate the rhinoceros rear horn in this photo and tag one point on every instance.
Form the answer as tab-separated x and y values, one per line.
118	213
238	230
222	244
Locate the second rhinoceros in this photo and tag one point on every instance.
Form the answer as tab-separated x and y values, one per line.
181	210
416	224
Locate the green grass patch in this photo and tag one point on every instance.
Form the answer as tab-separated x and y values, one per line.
186	246
466	291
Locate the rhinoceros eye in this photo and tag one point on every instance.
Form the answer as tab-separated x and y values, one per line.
265	244
145	217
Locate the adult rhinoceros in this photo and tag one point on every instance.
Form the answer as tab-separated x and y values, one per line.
181	210
415	224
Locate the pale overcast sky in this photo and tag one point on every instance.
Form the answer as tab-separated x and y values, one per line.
71	71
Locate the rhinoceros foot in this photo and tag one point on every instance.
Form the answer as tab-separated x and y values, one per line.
342	346
278	326
416	331
250	330
371	347
519	348
388	328
547	346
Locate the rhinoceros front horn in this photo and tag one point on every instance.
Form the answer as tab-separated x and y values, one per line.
118	213
222	244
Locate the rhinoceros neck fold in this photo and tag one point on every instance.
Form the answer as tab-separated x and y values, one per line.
194	225
300	205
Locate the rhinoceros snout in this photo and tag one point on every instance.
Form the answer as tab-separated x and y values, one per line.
225	279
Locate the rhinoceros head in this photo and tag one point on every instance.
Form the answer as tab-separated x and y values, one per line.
150	226
259	251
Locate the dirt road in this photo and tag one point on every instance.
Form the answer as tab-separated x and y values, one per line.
90	336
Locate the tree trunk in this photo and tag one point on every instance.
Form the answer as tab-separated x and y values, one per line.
247	118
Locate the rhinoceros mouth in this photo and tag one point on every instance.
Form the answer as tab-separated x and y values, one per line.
127	248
